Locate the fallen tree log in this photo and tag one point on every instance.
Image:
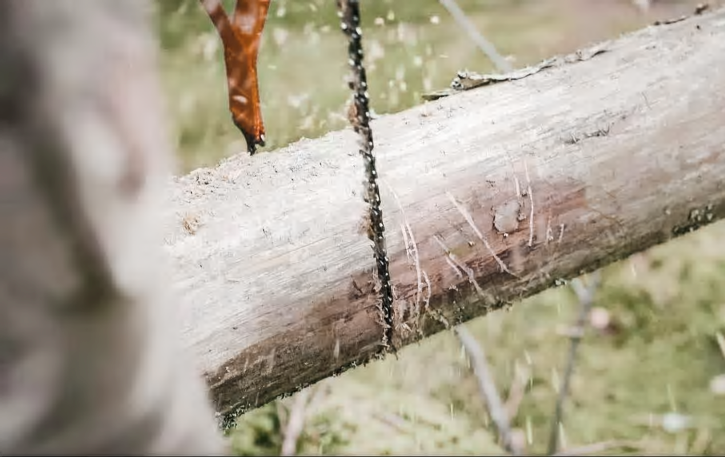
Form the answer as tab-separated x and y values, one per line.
489	196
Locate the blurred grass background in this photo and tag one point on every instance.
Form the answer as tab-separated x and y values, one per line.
651	349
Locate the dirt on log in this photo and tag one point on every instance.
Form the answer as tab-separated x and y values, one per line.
489	196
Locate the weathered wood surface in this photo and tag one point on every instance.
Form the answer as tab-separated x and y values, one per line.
506	190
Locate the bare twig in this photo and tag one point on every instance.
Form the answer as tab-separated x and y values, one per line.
486	46
586	298
282	411
517	391
295	423
599	447
720	342
488	388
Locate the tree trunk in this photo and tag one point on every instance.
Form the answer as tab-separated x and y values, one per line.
489	196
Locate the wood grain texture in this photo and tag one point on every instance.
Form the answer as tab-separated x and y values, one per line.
579	165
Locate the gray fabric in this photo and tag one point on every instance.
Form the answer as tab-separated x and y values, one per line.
90	360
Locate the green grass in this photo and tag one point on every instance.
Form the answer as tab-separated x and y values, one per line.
667	304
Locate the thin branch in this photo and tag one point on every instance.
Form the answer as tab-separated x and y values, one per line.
488	388
599	447
296	422
720	342
586	298
486	46
517	392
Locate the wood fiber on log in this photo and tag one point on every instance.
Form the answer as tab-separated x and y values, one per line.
506	190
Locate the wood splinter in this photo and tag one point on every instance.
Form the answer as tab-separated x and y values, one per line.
240	35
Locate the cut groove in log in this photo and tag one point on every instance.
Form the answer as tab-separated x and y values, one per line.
507	190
